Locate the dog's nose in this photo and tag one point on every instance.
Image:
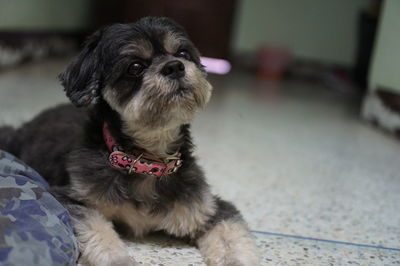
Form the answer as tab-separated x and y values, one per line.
173	69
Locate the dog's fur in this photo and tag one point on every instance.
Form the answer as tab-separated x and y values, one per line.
150	110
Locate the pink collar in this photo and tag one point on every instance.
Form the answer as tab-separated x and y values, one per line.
143	163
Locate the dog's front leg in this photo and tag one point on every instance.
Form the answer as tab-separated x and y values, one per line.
99	243
227	240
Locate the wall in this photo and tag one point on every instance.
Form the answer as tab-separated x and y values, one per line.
44	15
316	29
385	67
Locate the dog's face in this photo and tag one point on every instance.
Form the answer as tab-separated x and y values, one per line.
148	71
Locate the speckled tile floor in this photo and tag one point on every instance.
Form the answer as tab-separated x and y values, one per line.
294	157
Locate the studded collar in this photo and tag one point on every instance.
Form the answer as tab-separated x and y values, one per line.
140	162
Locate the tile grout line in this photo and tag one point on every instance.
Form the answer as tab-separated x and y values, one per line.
325	240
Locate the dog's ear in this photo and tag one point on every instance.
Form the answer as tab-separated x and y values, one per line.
82	78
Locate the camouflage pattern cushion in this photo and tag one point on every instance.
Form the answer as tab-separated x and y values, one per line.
35	228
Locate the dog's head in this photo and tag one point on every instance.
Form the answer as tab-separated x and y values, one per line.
149	72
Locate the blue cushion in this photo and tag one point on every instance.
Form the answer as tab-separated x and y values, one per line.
35	229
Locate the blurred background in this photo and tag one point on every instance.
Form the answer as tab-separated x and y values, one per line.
328	41
302	130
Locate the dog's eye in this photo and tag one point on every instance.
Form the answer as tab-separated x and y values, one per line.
183	53
135	69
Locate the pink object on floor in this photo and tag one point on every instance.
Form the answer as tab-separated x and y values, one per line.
273	62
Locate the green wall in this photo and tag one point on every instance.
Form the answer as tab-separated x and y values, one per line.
316	29
44	15
385	67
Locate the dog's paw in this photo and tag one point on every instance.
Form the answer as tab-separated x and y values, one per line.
229	243
124	261
235	262
230	262
109	259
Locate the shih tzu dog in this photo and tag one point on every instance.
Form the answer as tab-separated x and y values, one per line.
125	157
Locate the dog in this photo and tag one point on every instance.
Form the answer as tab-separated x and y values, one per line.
125	157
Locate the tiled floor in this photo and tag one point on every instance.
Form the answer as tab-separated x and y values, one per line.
294	157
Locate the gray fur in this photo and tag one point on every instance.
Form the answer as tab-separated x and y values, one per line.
149	111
